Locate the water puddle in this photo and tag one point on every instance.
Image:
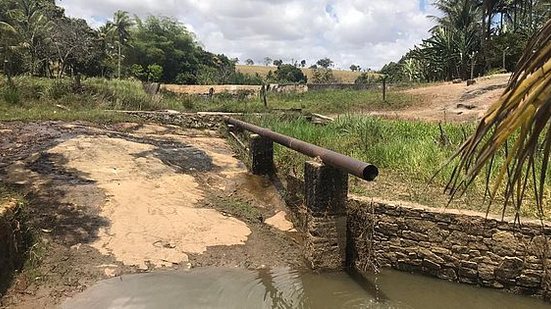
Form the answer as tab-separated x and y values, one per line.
286	288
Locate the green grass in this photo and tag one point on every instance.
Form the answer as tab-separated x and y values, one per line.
409	147
407	153
236	207
35	98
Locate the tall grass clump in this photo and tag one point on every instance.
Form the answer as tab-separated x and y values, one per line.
10	95
412	148
120	94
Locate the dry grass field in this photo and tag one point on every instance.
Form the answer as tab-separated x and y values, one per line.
341	75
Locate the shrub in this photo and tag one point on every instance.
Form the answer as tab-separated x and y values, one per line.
59	89
11	94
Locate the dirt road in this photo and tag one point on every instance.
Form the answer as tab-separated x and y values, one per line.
451	102
107	201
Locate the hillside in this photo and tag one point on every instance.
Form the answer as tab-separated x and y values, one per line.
341	75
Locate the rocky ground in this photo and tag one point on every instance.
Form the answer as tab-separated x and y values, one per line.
126	198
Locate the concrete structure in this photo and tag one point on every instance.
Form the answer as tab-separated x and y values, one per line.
261	155
326	190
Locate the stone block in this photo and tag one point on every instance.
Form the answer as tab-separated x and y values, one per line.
458	238
261	153
326	188
387	228
447	274
427	254
414	235
440	251
505	243
420	226
431	265
530	281
468	264
509	268
486	271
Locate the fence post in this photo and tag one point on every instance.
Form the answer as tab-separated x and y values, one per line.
384	89
261	153
326	190
263	98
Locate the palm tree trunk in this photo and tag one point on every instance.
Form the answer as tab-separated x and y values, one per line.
119	63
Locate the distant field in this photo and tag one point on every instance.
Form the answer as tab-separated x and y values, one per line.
342	76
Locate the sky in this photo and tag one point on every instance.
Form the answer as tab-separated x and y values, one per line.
368	33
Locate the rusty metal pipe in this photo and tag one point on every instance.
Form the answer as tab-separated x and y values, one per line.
350	165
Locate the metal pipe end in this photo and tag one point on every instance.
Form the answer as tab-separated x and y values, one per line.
370	172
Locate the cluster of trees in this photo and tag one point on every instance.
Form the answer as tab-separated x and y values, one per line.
38	39
472	37
292	73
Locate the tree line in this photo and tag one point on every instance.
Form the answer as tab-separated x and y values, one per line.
472	38
37	38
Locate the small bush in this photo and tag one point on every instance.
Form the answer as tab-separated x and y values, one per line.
11	95
59	89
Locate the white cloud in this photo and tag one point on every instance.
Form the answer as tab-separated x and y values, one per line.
365	32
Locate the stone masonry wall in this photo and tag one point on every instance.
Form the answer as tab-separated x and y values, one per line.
11	242
451	245
186	120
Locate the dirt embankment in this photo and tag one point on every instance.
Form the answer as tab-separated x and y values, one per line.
107	201
451	102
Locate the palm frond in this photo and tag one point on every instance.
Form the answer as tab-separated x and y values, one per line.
517	126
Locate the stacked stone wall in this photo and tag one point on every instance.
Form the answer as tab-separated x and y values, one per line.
457	246
186	120
12	247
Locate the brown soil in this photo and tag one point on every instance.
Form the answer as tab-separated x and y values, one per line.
451	102
106	201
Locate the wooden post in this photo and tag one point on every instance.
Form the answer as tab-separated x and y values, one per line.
263	98
384	89
326	190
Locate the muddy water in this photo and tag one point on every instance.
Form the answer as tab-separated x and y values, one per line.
285	288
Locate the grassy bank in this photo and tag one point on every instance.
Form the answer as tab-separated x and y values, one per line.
48	99
408	153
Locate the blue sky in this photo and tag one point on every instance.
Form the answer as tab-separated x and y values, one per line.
369	33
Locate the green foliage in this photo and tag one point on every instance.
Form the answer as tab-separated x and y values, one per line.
287	73
393	71
166	42
59	89
153	72
11	95
39	39
100	93
322	75
325	63
366	78
469	39
408	147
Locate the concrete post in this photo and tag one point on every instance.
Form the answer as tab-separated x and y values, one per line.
261	152
326	190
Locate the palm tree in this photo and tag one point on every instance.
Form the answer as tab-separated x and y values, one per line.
7	46
121	26
517	126
32	28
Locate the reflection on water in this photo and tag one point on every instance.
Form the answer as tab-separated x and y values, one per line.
286	288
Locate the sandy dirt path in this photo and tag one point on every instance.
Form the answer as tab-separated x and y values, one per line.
451	102
108	201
